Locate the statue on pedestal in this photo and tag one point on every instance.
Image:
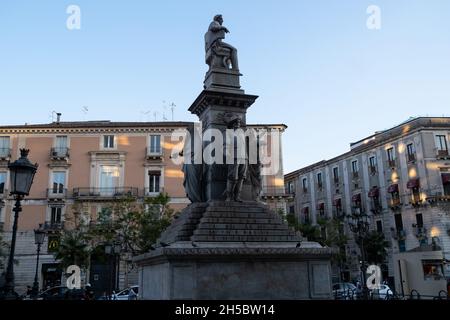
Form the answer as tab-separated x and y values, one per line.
218	53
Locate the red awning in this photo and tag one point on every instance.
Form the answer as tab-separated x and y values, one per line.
413	183
374	192
445	178
356	197
321	206
392	188
337	202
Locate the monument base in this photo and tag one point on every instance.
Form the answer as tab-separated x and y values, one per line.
231	250
240	271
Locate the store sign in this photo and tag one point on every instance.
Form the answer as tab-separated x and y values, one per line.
53	244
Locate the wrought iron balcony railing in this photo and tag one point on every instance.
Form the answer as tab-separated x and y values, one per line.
5	153
438	199
152	192
105	193
154	153
57	193
392	163
53	226
442	154
59	153
276	192
395	204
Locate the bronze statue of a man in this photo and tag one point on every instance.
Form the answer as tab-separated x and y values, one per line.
213	43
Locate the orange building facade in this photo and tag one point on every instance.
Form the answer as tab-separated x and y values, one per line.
92	163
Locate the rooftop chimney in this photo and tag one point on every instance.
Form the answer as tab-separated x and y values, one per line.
58	117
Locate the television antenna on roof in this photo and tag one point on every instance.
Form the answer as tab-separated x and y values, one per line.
172	108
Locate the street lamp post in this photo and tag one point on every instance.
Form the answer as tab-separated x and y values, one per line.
22	173
39	236
358	223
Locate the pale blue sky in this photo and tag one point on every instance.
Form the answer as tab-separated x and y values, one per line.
314	64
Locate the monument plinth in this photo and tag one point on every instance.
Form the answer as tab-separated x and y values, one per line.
227	244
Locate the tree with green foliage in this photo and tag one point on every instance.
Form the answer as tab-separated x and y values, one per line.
73	249
375	247
136	226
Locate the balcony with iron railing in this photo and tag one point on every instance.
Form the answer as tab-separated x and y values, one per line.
438	198
153	192
392	163
395	204
105	193
57	193
59	153
398	234
5	153
375	206
416	199
442	154
154	153
53	226
420	231
276	192
411	157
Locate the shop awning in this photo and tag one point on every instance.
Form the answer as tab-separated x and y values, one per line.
356	197
413	183
374	192
392	188
445	178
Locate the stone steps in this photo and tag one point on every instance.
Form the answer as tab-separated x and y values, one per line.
240	220
243	232
220	221
244	226
248	238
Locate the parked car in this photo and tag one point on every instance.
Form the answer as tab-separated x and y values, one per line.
131	293
62	293
344	291
384	292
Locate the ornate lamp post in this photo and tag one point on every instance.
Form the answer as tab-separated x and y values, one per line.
22	173
39	236
358	223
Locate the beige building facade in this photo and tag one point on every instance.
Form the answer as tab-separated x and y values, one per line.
399	177
89	164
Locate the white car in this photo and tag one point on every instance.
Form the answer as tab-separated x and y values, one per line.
131	293
384	292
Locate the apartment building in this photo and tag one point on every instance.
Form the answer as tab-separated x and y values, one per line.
87	165
399	177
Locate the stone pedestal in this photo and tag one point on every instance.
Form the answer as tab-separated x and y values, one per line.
230	250
241	271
